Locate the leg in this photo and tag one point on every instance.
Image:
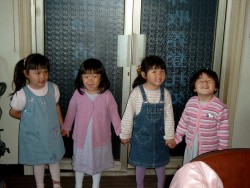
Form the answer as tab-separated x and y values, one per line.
55	174
39	175
79	178
160	172
140	174
96	180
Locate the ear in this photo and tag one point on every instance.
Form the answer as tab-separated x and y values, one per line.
195	90
25	73
143	74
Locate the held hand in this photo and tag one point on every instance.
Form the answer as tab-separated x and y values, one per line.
64	132
125	141
171	143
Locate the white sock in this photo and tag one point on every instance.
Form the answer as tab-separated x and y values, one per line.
96	180
79	179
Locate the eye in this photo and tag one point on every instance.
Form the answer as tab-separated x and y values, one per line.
199	81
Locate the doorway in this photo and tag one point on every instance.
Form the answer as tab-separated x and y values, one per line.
182	32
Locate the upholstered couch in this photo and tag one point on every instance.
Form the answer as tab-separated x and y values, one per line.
231	165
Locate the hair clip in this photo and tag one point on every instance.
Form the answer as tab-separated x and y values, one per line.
138	70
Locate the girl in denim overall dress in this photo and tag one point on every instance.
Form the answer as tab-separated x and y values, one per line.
35	102
148	121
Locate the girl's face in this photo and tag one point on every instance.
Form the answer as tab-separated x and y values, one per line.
91	82
205	87
37	78
154	77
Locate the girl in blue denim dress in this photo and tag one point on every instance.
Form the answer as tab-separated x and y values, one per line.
148	121
35	103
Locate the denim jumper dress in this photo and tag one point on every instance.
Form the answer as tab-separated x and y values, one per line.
148	147
40	140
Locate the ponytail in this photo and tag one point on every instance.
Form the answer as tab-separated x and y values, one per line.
138	81
19	79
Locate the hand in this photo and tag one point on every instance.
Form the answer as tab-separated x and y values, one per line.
64	132
125	141
171	143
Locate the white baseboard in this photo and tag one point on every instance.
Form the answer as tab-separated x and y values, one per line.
66	168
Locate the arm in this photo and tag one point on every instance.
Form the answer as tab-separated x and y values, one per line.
17	104
181	127
114	115
223	129
58	109
127	119
63	131
168	118
70	116
15	114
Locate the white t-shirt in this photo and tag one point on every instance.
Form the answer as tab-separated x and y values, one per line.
18	101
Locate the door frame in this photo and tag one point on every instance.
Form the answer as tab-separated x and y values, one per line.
131	26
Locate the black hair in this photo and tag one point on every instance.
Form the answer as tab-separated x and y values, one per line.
210	73
32	62
149	62
92	66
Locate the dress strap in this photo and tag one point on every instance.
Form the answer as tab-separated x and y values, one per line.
143	93
162	94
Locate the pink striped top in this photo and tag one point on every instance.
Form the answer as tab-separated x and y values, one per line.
209	121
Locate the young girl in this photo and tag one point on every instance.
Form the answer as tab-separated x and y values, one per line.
35	103
92	108
204	121
148	121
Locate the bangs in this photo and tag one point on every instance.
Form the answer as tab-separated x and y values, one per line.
155	66
34	66
92	71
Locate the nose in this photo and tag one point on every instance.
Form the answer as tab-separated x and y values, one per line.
43	75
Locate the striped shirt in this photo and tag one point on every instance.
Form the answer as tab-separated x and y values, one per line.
134	107
209	121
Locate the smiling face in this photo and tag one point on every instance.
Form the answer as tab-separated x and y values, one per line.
155	77
91	82
37	78
205	87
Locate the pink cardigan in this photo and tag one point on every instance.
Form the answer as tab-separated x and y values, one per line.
210	122
103	111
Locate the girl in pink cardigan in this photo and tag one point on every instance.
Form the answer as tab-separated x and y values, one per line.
204	121
92	109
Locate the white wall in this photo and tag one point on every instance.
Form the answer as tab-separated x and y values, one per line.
241	132
9	55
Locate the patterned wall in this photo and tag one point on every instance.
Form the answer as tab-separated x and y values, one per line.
179	31
76	30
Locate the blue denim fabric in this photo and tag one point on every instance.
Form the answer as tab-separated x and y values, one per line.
147	144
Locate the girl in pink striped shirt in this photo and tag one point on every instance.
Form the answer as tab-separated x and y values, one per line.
204	121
